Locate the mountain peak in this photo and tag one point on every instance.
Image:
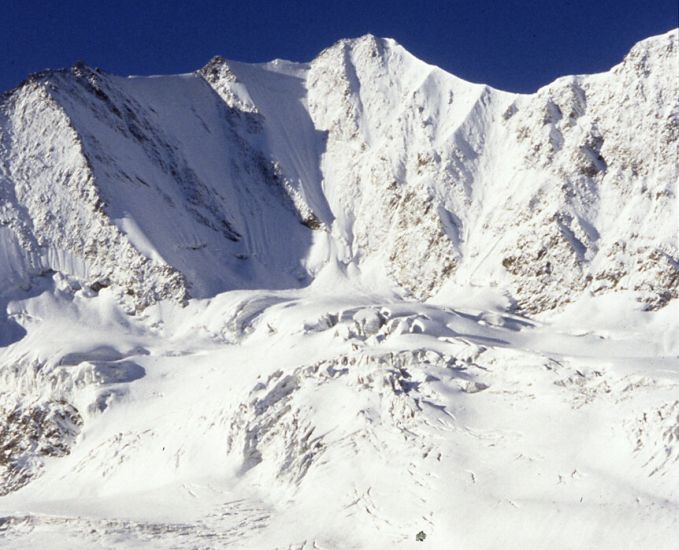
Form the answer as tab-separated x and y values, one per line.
368	44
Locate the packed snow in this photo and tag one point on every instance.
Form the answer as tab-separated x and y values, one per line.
351	303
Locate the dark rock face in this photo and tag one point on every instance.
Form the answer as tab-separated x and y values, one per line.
29	433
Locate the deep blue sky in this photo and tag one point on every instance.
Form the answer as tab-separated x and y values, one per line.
509	44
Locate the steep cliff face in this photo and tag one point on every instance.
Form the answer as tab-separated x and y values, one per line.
167	200
568	190
261	176
606	148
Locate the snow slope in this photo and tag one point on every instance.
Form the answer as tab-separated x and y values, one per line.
336	304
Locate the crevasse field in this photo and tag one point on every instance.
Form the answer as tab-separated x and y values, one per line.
352	303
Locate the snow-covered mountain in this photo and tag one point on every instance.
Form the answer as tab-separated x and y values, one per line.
260	176
286	305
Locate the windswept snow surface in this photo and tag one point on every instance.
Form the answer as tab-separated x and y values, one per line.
342	304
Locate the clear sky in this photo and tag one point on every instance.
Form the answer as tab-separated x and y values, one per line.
512	45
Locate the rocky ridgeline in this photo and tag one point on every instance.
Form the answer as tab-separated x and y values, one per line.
196	184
